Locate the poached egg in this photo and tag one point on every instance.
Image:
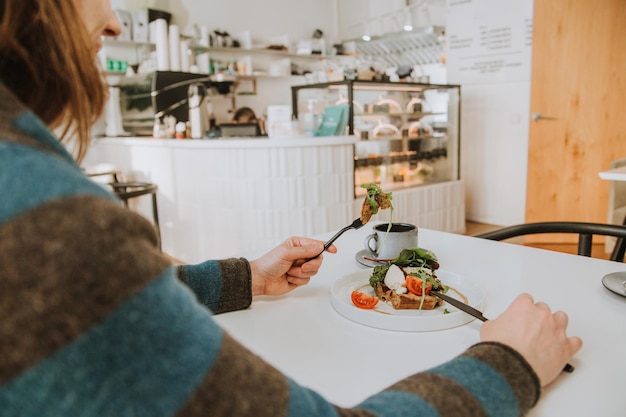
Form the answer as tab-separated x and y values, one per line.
395	279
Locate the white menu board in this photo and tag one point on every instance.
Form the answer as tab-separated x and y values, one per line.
489	40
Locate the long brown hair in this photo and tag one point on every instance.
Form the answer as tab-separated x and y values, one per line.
47	60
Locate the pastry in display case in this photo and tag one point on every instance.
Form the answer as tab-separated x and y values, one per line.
409	132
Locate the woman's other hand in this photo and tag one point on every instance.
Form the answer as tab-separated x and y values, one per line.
284	268
536	333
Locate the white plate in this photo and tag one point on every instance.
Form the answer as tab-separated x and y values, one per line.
616	282
384	316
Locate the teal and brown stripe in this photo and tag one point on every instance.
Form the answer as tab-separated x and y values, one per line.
239	384
220	295
52	289
144	359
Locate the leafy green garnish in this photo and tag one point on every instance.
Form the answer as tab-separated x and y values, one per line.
446	311
417	257
376	200
412	261
378	276
373	191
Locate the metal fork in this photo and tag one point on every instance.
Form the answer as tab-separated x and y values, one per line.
357	224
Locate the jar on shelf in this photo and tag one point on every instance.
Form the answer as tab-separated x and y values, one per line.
379	170
399	168
422	172
386	170
363	172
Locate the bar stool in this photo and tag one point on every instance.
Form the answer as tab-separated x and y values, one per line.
133	189
127	190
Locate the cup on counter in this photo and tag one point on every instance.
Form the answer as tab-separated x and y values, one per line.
383	245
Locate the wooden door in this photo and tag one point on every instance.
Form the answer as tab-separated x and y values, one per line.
579	79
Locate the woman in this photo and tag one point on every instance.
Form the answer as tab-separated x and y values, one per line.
244	115
96	321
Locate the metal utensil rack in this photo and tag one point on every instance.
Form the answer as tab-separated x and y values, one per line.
421	46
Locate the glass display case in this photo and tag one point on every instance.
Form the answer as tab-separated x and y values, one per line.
409	132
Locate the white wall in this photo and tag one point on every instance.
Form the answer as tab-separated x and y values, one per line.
495	103
494	151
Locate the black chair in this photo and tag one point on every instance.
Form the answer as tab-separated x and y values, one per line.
127	190
585	232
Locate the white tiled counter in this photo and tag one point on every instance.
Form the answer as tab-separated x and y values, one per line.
221	198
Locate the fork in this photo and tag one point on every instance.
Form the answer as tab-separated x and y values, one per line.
357	224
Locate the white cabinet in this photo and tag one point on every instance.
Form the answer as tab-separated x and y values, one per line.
222	198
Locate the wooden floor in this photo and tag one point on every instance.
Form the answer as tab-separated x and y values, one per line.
597	251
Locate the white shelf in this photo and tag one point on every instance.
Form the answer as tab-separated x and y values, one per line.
267	52
127	44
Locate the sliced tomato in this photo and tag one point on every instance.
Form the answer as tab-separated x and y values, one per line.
414	285
362	300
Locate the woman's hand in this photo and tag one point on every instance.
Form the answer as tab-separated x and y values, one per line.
284	269
536	333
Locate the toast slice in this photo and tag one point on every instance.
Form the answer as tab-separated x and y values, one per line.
407	301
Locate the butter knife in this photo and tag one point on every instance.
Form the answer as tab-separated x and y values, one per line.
460	305
479	315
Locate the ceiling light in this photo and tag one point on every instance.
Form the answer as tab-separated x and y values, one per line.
366	33
408	21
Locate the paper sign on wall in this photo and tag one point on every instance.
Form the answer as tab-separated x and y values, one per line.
489	41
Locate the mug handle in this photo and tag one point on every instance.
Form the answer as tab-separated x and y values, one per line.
367	240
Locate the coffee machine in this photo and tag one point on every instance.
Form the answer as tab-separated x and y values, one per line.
146	97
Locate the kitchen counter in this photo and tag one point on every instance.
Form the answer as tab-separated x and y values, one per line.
233	142
221	197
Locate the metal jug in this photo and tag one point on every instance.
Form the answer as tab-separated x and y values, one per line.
198	116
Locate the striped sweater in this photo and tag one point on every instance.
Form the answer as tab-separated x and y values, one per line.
95	321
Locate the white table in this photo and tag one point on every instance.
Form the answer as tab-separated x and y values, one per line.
615	174
302	335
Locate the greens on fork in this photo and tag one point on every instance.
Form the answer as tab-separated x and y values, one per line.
376	200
